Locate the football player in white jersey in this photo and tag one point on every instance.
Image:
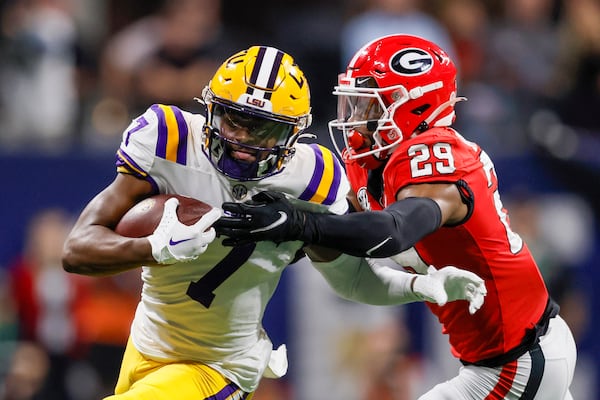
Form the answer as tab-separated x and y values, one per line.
197	331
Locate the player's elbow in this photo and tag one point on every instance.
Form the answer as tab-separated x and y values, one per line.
73	265
70	267
69	259
72	260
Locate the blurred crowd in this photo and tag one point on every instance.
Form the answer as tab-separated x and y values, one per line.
74	73
62	335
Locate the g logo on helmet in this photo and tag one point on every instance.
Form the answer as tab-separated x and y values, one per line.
411	61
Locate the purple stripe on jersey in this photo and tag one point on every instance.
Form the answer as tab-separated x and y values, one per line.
183	136
312	187
227	391
123	160
335	184
161	144
127	163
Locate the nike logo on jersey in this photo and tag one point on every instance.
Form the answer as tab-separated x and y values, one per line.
372	249
176	242
280	221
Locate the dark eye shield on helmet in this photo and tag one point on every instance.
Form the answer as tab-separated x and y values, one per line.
262	132
266	139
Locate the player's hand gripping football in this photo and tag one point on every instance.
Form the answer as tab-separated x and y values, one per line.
268	216
450	284
173	241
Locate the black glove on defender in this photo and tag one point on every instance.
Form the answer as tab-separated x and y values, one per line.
270	216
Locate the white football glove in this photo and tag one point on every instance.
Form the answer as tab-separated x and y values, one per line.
449	284
173	241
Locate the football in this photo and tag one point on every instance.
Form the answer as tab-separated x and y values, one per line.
143	218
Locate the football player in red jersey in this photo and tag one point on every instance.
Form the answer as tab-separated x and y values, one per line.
428	191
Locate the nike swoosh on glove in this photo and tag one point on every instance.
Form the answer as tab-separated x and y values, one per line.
268	216
457	284
173	241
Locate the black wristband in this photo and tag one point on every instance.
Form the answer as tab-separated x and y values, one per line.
375	233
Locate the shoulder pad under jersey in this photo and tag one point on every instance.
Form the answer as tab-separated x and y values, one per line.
316	176
162	131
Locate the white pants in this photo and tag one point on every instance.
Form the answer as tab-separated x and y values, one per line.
543	373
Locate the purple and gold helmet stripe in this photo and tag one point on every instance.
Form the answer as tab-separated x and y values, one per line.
326	178
172	133
264	73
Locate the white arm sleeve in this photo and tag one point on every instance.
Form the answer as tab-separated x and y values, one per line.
365	281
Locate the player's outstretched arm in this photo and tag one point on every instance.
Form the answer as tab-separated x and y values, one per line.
369	281
459	284
270	216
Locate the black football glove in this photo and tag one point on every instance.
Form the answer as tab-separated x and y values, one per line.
269	216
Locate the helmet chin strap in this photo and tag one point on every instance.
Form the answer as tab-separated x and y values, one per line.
441	108
446	121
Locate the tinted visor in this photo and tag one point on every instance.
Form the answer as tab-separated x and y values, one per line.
362	107
359	109
262	132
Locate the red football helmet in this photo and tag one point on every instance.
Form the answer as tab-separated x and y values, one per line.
394	87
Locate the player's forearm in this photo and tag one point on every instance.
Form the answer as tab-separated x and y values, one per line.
98	251
375	234
364	281
321	254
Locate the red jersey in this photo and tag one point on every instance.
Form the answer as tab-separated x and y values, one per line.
483	243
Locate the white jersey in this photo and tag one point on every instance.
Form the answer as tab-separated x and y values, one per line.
210	310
